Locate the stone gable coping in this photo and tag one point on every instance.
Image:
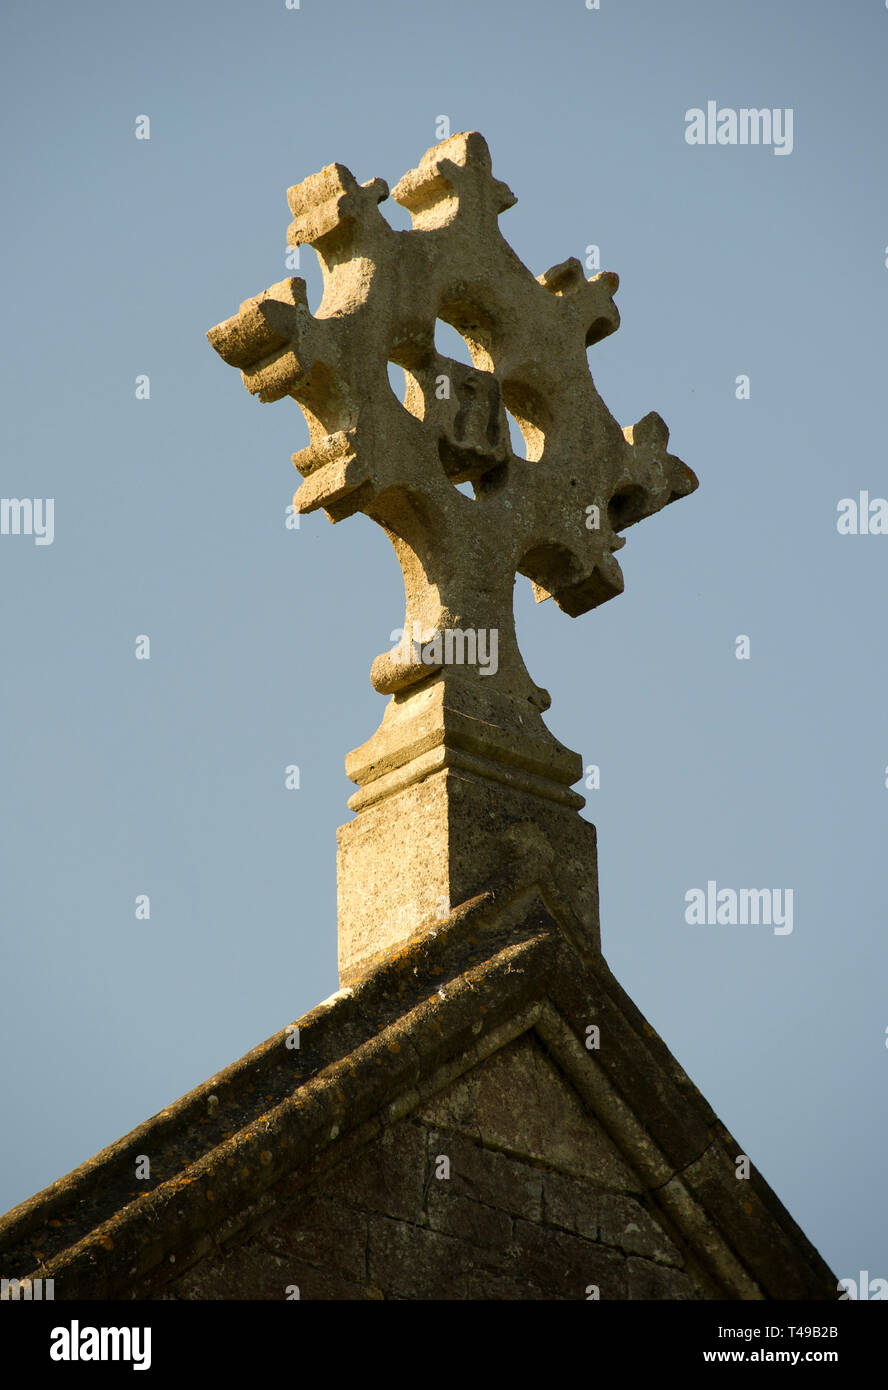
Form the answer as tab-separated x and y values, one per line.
368	1057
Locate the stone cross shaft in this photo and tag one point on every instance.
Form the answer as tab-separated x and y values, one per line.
463	701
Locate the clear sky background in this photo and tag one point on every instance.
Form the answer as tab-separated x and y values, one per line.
166	777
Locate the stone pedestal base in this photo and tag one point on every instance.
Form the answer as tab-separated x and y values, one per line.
409	859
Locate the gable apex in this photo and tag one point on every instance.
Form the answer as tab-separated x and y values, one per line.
224	1157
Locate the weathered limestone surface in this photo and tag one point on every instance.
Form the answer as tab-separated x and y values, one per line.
316	1166
499	1188
408	860
481	1113
462	756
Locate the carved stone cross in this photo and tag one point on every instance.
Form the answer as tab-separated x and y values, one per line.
463	784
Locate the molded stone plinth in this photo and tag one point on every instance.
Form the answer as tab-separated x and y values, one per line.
406	861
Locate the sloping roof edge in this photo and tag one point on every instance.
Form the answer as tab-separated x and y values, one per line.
369	1055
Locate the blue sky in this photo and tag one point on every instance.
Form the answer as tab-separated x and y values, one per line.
166	777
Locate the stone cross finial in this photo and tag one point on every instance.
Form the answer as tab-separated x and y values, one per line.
464	706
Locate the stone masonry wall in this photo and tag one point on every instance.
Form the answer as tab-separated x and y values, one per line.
502	1187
